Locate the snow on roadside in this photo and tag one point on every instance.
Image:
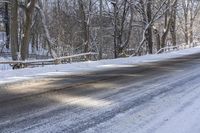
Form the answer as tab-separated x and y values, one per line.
8	76
4	67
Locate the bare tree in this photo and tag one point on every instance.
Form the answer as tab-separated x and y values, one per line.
155	16
194	10
7	26
101	28
173	23
65	27
84	25
47	35
122	21
29	10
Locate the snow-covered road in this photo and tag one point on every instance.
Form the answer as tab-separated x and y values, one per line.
162	97
173	108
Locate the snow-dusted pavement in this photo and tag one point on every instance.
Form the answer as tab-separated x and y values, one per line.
162	97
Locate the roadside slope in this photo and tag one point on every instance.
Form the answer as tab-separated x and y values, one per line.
10	76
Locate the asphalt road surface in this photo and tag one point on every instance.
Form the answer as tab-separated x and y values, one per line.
144	98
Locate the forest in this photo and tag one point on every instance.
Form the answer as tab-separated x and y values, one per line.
111	28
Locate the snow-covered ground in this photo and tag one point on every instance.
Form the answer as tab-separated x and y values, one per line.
7	76
4	67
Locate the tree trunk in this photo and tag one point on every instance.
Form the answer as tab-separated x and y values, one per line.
168	20
185	4
191	33
191	26
164	36
157	35
149	30
126	43
27	29
84	26
101	29
115	30
186	30
47	34
7	26
173	24
14	29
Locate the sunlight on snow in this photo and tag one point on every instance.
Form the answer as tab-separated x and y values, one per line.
115	65
83	101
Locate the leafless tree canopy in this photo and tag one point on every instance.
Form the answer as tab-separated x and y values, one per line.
112	28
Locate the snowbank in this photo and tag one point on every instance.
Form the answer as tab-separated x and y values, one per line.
84	67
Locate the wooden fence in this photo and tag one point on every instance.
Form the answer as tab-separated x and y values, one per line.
178	47
59	60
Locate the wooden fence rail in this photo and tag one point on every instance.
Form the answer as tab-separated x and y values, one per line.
20	64
178	47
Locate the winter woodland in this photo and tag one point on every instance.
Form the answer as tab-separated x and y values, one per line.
42	29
